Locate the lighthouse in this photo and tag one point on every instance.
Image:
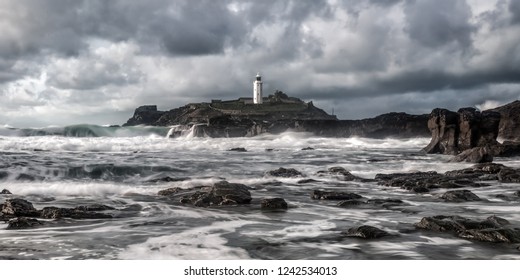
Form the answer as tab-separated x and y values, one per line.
257	89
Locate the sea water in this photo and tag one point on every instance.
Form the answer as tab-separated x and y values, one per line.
118	167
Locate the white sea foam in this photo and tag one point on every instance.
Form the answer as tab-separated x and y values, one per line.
197	243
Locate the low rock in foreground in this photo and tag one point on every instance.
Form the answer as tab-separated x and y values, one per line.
493	229
326	195
366	232
273	203
221	193
23	223
459	196
285	172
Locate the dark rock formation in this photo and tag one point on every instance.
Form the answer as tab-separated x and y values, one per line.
144	115
426	181
460	195
453	132
169	191
5	191
221	193
237	150
285	172
308	149
509	127
75	213
509	175
23	223
493	229
19	207
377	202
340	172
94	207
273	203
330	195
475	155
366	232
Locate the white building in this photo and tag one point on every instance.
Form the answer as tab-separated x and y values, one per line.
257	90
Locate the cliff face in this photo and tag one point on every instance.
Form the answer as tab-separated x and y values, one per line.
472	135
509	127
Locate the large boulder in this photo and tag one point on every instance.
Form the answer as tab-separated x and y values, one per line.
475	155
492	229
221	193
19	208
366	232
23	223
285	172
332	195
339	172
273	203
459	196
75	213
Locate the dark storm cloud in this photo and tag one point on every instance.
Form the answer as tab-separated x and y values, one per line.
127	53
436	23
514	8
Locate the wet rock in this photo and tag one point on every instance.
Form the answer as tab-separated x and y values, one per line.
351	203
377	202
329	195
509	175
169	191
273	203
94	207
23	223
308	149
492	229
443	125
5	191
385	201
460	195
453	133
475	155
237	150
19	207
221	193
517	193
285	172
344	174
425	181
59	213
366	232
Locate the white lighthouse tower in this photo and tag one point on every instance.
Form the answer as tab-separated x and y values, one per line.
257	89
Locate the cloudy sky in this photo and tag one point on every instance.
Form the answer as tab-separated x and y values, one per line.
71	61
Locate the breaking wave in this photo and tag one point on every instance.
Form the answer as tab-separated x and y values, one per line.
85	130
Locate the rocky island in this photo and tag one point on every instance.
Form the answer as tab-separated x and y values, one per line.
277	113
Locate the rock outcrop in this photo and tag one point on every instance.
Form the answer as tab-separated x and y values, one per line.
144	115
454	132
493	229
509	128
221	193
276	203
366	232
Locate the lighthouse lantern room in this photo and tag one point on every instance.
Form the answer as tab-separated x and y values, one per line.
257	89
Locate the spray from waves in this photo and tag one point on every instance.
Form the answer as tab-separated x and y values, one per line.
85	130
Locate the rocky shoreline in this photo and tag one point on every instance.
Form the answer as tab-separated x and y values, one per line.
19	213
